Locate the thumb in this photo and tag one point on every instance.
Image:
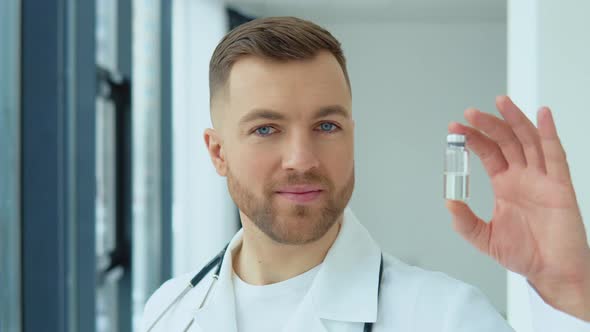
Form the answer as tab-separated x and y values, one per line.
470	226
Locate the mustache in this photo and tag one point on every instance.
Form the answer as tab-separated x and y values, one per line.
307	178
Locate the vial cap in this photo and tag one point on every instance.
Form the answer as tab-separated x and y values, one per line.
456	139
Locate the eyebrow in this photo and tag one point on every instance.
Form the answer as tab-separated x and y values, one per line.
274	115
261	114
332	110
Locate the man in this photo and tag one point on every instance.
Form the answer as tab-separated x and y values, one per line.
282	135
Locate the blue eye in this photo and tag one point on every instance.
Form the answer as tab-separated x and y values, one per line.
264	131
328	127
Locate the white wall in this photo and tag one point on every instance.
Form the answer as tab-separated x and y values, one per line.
409	80
204	217
549	64
564	84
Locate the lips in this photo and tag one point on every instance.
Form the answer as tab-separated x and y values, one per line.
300	194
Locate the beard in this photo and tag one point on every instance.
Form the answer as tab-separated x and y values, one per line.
291	223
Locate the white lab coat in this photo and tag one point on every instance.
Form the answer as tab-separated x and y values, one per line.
343	296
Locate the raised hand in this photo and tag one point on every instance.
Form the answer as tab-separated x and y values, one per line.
536	229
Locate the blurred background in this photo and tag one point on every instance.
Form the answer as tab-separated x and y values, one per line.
106	188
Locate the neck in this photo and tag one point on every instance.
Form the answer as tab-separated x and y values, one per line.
262	261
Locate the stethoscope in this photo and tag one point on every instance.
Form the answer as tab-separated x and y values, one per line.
217	261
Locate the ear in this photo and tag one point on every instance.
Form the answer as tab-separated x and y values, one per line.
215	147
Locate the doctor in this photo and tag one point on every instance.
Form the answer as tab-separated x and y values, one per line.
282	135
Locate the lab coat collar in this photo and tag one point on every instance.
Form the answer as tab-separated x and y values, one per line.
345	288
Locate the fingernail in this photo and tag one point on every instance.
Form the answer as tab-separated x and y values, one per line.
546	108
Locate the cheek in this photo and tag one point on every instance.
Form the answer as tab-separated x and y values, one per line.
338	159
252	164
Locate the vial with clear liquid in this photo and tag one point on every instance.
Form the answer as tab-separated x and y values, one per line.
456	173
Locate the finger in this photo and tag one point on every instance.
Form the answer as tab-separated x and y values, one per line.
525	131
486	149
555	157
469	226
499	131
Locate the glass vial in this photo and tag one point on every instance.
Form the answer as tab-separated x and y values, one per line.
456	173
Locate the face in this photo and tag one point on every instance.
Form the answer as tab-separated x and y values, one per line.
284	140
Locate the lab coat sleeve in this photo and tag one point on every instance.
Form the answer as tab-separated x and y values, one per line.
470	310
548	319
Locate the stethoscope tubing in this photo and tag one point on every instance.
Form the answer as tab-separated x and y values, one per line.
216	261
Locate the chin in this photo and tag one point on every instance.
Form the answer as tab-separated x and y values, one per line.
298	229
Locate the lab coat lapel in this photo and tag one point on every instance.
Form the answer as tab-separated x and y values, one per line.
346	287
219	312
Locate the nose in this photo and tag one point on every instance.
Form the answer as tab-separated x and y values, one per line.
299	154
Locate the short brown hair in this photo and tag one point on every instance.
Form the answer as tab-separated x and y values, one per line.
278	38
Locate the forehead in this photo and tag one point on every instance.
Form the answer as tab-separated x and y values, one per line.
295	87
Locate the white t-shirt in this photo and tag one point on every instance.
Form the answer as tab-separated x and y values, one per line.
269	307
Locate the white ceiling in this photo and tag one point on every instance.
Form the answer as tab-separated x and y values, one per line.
339	11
